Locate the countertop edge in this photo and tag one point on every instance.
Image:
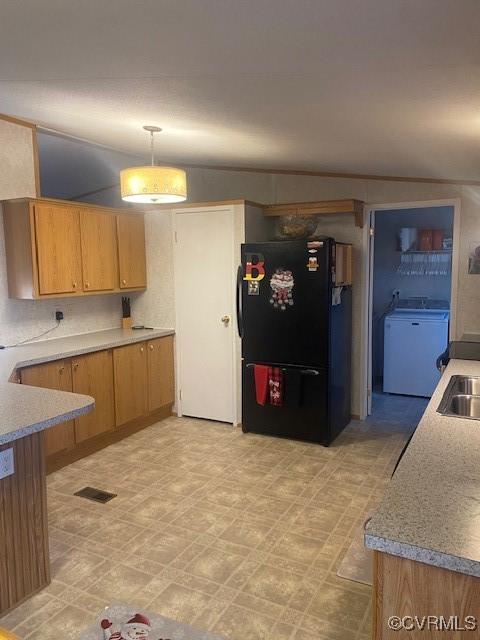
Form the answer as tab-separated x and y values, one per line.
421	554
64	416
160	333
50	422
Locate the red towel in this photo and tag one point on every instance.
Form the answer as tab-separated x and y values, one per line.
261	372
275	386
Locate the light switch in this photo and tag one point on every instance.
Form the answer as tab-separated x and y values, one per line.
7	466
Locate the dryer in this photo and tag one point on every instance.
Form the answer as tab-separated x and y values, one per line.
413	340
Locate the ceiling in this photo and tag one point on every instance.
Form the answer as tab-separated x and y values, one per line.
388	87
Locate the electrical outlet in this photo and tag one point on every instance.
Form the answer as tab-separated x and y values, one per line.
58	315
396	293
7	466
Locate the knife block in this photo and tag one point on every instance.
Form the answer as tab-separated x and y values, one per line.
126	323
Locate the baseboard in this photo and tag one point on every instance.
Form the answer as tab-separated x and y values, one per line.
83	449
354	416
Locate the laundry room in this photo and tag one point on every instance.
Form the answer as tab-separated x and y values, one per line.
412	276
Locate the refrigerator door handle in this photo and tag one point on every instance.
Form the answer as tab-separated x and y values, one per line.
309	372
239	302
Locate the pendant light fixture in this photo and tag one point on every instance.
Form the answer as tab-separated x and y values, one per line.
153	184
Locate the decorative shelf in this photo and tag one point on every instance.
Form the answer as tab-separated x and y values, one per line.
322	207
425	263
441	251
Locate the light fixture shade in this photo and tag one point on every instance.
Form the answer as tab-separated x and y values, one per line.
153	184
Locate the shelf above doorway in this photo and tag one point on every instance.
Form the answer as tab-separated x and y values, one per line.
322	207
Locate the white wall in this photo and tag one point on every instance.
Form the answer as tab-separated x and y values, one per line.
20	319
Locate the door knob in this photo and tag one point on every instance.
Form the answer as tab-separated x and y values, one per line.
225	320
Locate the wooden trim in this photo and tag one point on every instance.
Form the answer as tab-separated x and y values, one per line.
200	205
313	174
79	205
87	447
332	174
36	162
322	207
19	121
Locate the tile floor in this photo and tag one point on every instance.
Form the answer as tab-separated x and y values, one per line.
235	533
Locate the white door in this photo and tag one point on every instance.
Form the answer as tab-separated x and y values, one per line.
204	298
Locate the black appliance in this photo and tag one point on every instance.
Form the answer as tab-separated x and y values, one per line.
291	316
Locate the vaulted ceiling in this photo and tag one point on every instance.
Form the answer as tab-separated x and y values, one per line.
367	86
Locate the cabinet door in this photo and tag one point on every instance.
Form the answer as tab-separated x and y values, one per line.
161	378
57	231
53	375
93	376
99	251
131	250
130	376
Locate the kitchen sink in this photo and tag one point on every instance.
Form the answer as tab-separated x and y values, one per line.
461	398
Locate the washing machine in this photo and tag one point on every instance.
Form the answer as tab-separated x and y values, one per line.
413	340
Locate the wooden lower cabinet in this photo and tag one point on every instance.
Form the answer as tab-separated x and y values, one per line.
412	591
130	376
92	375
133	387
53	375
161	374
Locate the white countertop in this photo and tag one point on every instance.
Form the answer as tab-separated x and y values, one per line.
431	509
25	410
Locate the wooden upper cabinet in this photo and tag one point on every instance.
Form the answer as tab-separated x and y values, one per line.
92	375
57	248
99	251
131	251
53	375
161	378
130	376
57	231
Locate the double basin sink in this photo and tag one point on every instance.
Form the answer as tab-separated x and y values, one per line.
461	398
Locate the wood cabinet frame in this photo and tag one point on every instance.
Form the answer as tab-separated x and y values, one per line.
158	389
22	251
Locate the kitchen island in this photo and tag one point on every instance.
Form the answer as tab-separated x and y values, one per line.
426	532
26	412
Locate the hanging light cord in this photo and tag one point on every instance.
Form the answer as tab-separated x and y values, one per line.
151	146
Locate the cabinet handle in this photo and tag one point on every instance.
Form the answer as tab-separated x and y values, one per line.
124	282
151	347
87	284
141	349
61	369
74	285
75	366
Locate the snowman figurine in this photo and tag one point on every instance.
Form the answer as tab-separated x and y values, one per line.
137	628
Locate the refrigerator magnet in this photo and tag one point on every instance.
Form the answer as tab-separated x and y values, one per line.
314	244
254	267
253	288
281	286
312	263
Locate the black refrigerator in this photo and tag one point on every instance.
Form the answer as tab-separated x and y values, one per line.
290	315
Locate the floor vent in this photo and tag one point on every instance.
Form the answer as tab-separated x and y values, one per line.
97	495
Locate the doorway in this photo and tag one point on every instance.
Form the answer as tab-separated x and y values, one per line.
410	307
204	302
